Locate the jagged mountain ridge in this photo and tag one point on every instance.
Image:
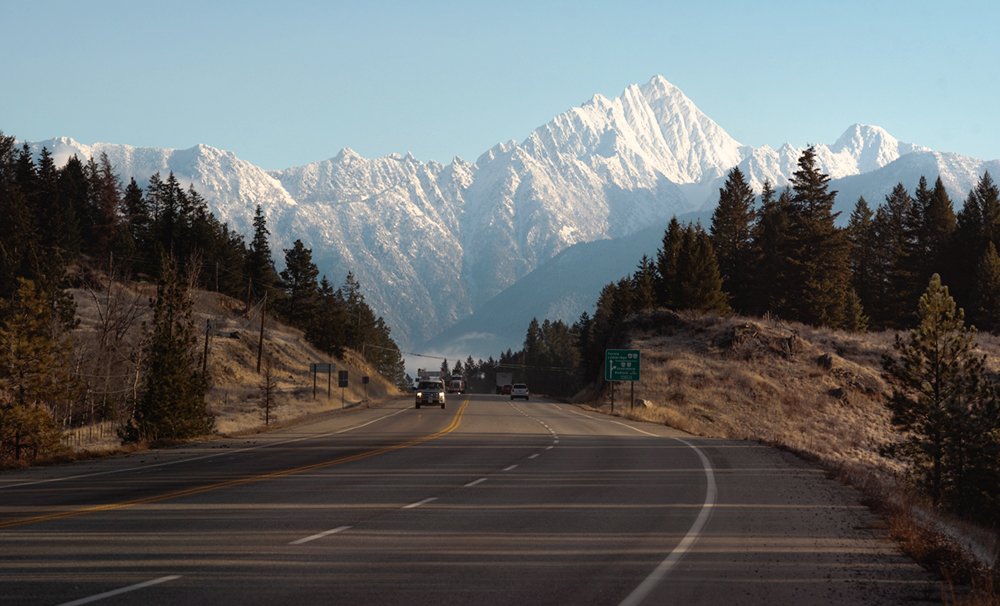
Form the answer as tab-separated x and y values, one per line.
431	243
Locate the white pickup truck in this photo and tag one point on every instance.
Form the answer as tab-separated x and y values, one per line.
430	393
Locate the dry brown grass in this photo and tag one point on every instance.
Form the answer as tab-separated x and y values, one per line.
817	392
235	393
812	391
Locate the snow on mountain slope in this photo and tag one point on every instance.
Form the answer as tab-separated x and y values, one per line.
393	222
232	187
958	173
433	243
605	169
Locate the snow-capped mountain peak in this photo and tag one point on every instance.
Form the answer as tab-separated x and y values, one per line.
431	243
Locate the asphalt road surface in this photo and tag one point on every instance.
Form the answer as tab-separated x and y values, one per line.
485	502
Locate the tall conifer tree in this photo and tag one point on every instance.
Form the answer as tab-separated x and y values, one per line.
986	295
730	231
818	265
260	265
666	263
864	252
171	404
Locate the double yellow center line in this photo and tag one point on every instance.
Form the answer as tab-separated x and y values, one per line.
452	426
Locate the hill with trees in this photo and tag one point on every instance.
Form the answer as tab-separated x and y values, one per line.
78	227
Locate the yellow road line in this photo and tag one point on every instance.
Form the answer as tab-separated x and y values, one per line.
456	420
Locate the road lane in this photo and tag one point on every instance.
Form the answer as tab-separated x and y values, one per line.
532	503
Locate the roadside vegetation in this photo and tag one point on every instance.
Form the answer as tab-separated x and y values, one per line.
869	348
135	362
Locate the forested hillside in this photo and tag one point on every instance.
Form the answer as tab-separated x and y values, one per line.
79	226
911	264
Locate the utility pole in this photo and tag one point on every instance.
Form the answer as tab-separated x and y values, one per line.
249	290
260	342
204	355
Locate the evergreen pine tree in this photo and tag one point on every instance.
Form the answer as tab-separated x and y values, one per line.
936	235
942	404
137	218
855	319
107	230
771	250
327	331
260	266
644	284
986	295
666	263
56	221
864	251
699	284
895	260
732	222
19	239
34	374
976	224
301	292
360	317
171	404
818	264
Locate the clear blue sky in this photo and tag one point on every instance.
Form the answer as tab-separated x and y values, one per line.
286	83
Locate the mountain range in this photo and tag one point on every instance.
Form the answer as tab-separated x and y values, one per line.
459	257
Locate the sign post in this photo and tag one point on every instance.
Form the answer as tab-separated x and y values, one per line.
622	365
317	367
342	383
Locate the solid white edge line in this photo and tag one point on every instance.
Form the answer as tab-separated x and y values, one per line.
325	533
110	594
201	458
475	482
419	503
509	468
642	591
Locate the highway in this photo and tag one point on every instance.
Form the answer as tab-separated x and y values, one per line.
485	502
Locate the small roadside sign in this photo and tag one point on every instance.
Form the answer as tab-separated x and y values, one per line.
321	367
622	364
342	378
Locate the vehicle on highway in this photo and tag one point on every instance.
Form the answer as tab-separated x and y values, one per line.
456	384
519	390
504	378
430	393
505	390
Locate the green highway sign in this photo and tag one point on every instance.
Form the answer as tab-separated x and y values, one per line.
621	364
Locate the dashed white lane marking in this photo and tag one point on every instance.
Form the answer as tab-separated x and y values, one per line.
325	533
534	456
510	467
475	482
549	447
419	503
110	594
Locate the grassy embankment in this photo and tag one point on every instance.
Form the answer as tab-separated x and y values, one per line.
235	394
817	392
